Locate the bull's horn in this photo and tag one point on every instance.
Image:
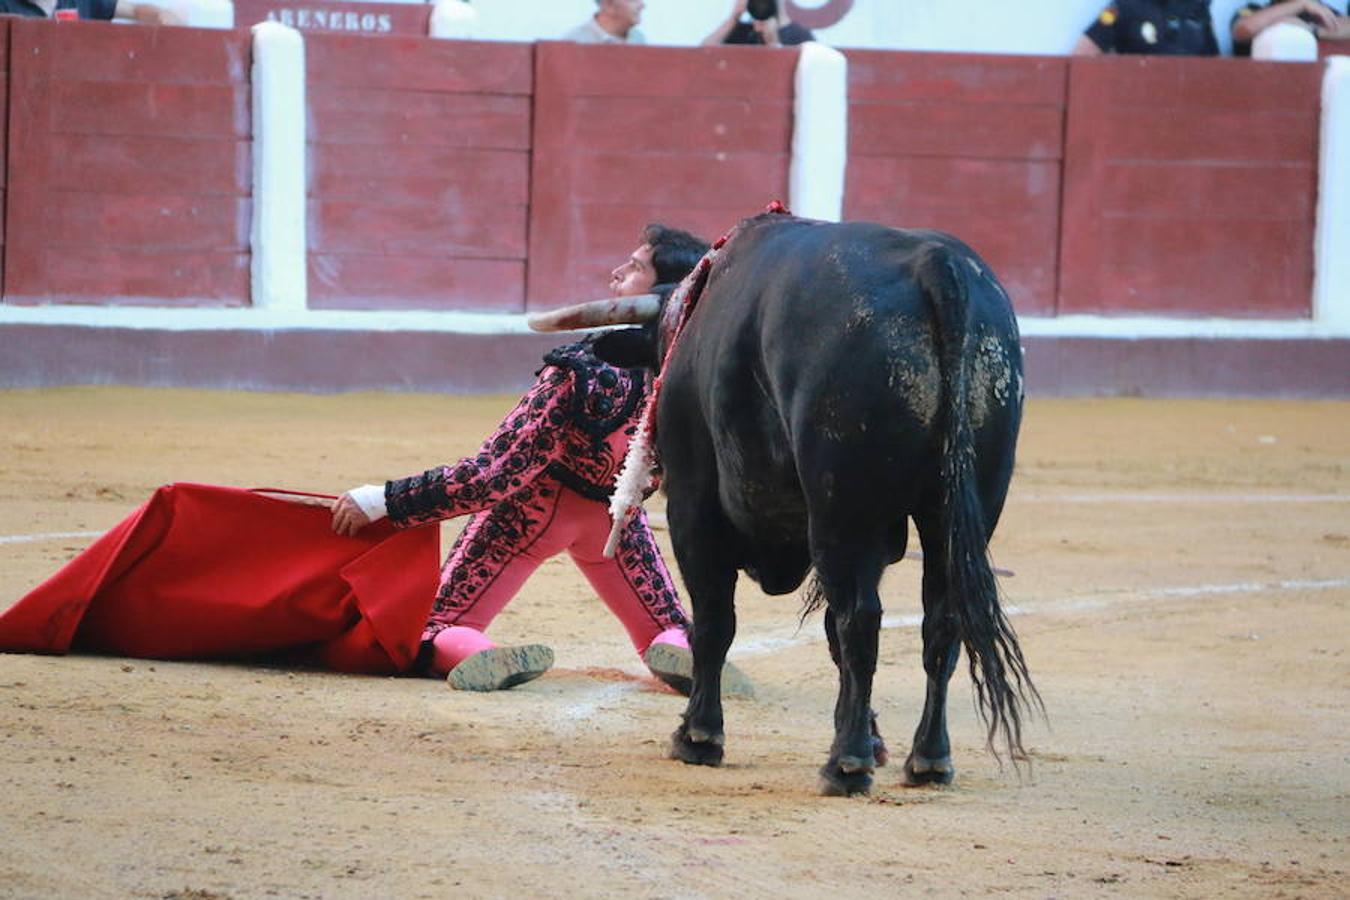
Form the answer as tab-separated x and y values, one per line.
610	311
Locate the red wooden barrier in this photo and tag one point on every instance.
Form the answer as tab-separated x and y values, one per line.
129	165
419	173
1190	187
966	144
698	139
340	16
4	143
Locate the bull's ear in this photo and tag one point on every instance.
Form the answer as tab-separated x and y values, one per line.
627	348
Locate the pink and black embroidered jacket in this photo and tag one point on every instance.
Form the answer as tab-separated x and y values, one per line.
573	426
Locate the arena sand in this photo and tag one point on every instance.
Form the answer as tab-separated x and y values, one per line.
1181	588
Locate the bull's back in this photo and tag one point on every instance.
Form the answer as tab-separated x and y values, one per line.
822	364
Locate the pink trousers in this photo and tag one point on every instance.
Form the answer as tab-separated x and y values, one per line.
501	547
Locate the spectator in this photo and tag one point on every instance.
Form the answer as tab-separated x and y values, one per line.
768	26
1254	18
615	22
1156	27
145	13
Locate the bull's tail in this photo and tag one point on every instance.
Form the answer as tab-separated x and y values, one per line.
998	672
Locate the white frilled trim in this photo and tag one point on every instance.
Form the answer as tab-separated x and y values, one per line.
278	233
632	483
819	134
1331	240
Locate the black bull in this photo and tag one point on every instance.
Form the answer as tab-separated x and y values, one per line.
833	382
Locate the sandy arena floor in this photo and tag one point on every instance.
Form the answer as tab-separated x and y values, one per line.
1183	596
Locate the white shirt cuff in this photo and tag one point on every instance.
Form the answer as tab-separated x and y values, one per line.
370	497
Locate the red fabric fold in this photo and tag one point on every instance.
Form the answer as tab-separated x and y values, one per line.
207	572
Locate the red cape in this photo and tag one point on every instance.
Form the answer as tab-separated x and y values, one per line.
203	572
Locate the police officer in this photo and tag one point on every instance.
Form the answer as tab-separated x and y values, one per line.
1159	27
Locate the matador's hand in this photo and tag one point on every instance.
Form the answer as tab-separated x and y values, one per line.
348	518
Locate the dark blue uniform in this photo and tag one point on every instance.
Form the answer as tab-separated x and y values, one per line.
1158	27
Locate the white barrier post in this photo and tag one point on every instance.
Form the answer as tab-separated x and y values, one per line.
278	234
819	134
1331	239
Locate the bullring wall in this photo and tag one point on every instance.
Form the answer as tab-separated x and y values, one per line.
450	186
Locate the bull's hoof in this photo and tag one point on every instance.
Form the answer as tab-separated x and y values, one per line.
696	747
920	771
846	778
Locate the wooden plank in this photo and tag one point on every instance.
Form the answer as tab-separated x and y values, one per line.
147	220
1188	191
380	281
171	216
122	164
422	64
4	140
4	109
163	110
77	274
1206	211
161	56
421	229
1159	83
341	17
952	129
1212	136
355	115
1190	267
884	76
968	144
384	174
590	200
705	125
29	154
725	180
978	186
600	70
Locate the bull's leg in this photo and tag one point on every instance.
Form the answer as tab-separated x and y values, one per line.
879	752
850	587
930	757
709	569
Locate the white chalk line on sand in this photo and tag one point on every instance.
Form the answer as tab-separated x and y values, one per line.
587	702
770	643
46	536
1179	498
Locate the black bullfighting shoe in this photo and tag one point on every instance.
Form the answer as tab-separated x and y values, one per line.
675	666
499	668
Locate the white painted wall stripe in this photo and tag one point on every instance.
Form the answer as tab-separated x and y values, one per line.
279	279
819	133
181	320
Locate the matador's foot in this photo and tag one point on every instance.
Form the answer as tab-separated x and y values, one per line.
499	668
675	666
